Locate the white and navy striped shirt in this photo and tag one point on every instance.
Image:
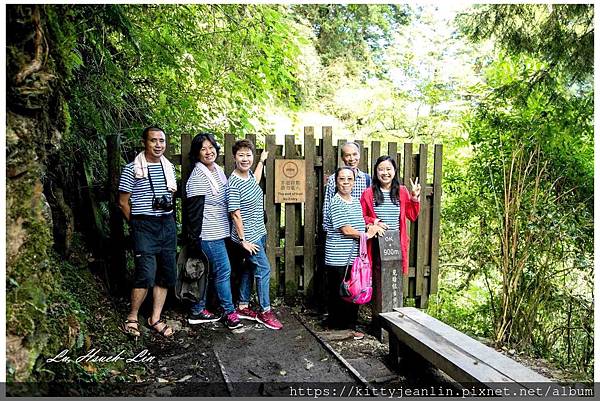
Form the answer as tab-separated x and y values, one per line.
388	212
360	184
337	245
246	195
140	190
215	222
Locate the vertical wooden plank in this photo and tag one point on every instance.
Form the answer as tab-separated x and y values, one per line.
421	224
186	170
375	153
393	151
169	149
117	257
291	278
399	164
186	166
423	299
326	152
272	222
280	231
257	152
340	143
408	171
329	156
407	174
363	163
298	228
229	160
436	209
310	219
365	160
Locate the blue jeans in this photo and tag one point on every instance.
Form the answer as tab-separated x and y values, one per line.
219	274
259	264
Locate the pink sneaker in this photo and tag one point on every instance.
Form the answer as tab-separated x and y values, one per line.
268	319
246	313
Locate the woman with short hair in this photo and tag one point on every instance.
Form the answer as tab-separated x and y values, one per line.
246	207
345	224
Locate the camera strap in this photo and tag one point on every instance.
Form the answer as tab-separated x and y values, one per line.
162	168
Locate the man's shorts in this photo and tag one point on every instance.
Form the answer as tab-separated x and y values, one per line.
154	250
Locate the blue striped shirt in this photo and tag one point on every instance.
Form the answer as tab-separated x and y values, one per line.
215	222
388	212
140	190
360	184
337	245
247	196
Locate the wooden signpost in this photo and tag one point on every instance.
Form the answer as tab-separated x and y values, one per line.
387	280
290	180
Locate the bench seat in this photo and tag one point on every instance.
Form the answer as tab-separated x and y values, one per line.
461	357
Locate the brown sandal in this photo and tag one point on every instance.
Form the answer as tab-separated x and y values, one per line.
164	329
130	330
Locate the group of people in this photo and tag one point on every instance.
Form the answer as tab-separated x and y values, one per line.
223	214
354	204
226	217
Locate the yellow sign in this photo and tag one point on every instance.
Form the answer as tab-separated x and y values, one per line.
290	181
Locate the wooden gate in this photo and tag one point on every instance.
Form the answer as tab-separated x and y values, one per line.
296	241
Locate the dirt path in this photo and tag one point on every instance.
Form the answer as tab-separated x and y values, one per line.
209	359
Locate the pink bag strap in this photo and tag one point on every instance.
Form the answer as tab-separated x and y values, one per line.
363	245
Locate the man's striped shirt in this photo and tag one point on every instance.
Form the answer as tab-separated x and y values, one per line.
388	212
215	222
140	190
247	196
337	245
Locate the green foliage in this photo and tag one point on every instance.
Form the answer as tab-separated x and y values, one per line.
524	211
183	67
358	32
463	304
561	35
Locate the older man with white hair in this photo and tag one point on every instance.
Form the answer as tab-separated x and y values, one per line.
351	158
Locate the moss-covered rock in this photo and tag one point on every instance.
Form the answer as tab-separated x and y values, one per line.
53	302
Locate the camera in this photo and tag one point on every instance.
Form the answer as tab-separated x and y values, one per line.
165	203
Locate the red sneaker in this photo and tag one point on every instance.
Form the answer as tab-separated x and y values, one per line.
246	313
268	319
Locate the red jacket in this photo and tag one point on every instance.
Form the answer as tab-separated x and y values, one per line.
408	208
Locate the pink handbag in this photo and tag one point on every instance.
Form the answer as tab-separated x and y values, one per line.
357	287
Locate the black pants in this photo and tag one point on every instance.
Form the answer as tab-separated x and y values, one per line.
342	314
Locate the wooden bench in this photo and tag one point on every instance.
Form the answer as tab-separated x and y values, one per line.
458	355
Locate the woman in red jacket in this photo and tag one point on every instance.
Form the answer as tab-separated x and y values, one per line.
387	204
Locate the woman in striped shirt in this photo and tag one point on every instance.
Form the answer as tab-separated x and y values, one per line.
246	207
387	204
206	209
344	226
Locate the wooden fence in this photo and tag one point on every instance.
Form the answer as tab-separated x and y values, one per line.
296	241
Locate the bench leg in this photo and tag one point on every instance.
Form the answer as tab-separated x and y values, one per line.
394	352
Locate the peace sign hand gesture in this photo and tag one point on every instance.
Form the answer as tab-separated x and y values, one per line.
415	191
